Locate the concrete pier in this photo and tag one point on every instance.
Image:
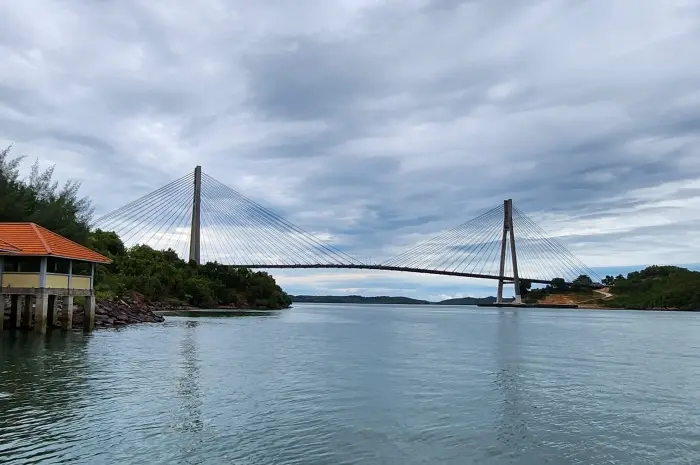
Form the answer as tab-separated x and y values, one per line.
89	316
15	304
27	307
67	313
52	312
40	312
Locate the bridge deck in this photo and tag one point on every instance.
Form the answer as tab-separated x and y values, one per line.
395	268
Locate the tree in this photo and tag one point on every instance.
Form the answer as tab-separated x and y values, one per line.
41	200
559	284
608	280
581	283
525	286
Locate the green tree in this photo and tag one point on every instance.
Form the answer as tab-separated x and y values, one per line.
525	286
41	200
559	284
583	282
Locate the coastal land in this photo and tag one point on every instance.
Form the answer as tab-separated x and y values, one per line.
140	281
357	299
652	288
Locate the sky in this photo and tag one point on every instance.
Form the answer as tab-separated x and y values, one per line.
377	123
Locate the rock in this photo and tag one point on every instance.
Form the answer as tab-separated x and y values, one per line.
120	312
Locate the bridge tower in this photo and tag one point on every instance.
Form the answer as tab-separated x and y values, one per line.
508	237
196	220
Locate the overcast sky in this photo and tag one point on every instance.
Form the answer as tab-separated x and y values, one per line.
376	123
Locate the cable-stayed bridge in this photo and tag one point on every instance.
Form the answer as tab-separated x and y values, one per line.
204	220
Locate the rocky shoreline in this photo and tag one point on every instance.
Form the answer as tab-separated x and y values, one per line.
119	312
115	313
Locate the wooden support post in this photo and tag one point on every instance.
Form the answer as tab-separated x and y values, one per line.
67	313
89	314
41	310
52	311
15	303
27	310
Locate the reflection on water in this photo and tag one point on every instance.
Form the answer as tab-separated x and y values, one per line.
188	391
358	385
513	430
42	379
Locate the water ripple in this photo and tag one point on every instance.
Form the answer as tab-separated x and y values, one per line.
358	385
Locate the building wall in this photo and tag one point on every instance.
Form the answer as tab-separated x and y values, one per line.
53	281
80	282
20	279
57	281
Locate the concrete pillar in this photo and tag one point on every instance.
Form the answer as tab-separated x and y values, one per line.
52	311
27	310
513	255
67	313
15	303
89	318
196	207
2	312
40	313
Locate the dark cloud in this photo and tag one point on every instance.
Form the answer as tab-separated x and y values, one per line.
375	123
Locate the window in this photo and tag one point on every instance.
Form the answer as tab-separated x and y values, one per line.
22	264
10	264
57	265
81	268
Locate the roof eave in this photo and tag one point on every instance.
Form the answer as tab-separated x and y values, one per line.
107	261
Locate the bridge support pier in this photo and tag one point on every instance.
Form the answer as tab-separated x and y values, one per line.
508	233
196	211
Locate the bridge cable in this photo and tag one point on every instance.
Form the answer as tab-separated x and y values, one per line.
283	243
431	243
230	222
275	242
150	204
331	252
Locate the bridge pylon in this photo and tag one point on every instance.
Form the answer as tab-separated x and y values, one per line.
195	226
508	239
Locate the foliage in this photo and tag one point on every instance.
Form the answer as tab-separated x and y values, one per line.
525	286
158	275
657	287
582	283
162	275
40	200
581	287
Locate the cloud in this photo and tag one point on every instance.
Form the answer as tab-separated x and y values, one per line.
377	123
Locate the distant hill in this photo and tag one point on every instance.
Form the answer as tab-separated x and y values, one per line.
358	299
355	299
469	301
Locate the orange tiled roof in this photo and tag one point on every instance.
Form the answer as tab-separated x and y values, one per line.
32	239
6	247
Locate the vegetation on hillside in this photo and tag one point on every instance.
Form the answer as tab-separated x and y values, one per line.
580	288
162	275
656	287
158	275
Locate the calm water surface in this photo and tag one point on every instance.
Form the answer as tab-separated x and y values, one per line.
360	385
